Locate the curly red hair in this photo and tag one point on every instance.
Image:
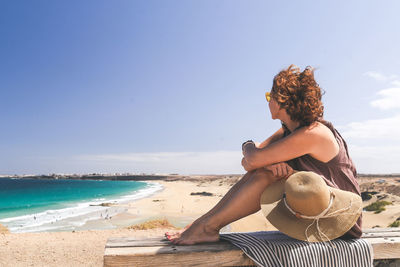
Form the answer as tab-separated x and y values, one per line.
299	94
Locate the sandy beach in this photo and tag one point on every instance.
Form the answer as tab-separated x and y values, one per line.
86	247
180	202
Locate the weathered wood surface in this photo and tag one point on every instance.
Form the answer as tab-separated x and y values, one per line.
160	252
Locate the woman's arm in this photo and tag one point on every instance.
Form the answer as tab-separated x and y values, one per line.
317	141
273	138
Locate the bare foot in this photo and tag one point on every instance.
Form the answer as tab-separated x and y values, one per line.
198	232
170	235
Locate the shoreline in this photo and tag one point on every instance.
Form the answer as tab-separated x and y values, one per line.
78	215
125	177
171	200
168	199
86	247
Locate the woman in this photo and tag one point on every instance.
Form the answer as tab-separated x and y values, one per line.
305	142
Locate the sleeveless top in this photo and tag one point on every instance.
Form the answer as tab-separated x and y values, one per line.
339	172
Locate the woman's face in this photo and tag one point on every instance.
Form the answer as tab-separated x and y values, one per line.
274	108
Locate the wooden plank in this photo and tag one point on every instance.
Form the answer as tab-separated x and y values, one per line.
116	242
159	241
160	252
378	243
374	230
171	249
132	242
383	234
116	257
381	240
385	248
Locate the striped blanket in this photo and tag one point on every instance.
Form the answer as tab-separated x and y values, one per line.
276	249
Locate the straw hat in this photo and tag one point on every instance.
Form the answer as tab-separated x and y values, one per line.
311	210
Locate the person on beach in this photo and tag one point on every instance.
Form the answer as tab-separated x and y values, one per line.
305	142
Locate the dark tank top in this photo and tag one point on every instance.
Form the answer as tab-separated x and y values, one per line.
339	172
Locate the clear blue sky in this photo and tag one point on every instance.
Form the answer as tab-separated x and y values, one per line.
177	86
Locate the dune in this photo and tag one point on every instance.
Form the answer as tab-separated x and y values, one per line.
388	190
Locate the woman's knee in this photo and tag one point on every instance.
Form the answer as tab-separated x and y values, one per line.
247	175
262	175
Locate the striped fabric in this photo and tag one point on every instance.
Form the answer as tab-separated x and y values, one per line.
276	249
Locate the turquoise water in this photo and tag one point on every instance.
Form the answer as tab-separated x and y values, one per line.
29	203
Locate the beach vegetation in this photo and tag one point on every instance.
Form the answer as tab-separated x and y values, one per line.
159	223
396	223
367	195
377	206
3	229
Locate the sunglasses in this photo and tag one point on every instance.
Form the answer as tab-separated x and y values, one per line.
268	96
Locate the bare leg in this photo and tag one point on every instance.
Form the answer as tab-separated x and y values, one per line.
243	201
226	198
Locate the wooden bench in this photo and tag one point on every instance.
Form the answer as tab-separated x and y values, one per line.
160	252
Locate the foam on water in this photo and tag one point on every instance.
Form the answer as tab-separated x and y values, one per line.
75	214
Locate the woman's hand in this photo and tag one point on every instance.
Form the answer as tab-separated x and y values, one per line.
280	170
248	147
246	165
247	143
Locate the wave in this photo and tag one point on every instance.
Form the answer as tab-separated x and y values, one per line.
75	214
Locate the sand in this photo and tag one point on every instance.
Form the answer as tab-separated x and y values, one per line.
388	189
175	202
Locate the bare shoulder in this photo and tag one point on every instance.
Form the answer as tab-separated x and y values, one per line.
325	145
317	130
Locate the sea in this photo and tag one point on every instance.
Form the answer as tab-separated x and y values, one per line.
38	205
